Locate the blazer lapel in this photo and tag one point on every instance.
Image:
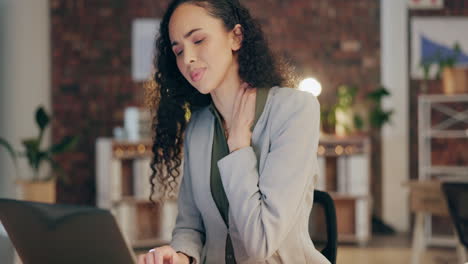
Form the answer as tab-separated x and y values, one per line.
203	144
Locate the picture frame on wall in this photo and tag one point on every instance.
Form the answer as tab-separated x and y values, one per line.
436	36
144	33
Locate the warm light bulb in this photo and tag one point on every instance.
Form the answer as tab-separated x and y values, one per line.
311	85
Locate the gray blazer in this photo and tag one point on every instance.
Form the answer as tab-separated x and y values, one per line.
269	186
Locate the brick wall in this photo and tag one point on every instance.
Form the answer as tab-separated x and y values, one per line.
336	41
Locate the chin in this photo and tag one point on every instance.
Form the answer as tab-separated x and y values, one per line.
203	89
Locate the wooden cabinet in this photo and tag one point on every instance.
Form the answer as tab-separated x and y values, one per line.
122	181
345	173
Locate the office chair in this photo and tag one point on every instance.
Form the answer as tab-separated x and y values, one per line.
456	194
324	201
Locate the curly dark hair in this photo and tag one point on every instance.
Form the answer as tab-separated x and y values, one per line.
172	98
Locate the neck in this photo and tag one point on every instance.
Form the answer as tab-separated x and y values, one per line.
224	96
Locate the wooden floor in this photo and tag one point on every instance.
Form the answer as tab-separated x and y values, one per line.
392	250
356	255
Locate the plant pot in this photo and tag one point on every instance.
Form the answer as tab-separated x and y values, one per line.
37	191
328	129
455	80
344	122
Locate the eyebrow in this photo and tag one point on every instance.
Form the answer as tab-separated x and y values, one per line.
185	36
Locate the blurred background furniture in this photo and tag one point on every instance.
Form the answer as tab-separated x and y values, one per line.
440	118
345	165
323	211
426	199
122	182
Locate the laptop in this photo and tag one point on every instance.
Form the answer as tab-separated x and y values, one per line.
55	233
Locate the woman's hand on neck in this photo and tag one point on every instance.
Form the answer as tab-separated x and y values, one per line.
236	104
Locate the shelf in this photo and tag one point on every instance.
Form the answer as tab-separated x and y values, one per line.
447	170
348	184
439	116
133	200
333	146
344	196
442	241
442	98
122	173
447	134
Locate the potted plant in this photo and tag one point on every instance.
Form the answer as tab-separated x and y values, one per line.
377	115
327	118
454	79
344	111
357	117
38	178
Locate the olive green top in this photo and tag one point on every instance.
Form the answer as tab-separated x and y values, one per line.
220	150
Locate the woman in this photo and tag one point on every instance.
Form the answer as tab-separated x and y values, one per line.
249	147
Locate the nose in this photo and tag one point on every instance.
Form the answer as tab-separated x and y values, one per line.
189	56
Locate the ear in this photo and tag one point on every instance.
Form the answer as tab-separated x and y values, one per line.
237	37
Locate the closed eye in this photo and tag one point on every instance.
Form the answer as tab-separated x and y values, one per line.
196	42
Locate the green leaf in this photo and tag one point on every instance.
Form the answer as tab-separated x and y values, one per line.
379	117
32	151
346	95
457	50
31	144
10	149
378	94
42	119
58	169
358	122
67	143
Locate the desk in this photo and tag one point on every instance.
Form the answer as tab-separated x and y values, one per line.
426	198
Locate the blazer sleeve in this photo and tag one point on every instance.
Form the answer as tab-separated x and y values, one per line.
188	235
264	207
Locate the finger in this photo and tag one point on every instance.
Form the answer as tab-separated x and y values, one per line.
247	103
244	100
158	257
168	259
163	256
150	257
237	103
141	259
244	85
240	95
252	100
250	106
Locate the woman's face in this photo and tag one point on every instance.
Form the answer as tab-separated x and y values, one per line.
203	48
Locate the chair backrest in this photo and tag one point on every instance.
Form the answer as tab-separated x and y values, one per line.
324	200
53	233
457	200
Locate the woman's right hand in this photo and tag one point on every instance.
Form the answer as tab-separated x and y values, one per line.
163	255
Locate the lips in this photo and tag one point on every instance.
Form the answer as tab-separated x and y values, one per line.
197	74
